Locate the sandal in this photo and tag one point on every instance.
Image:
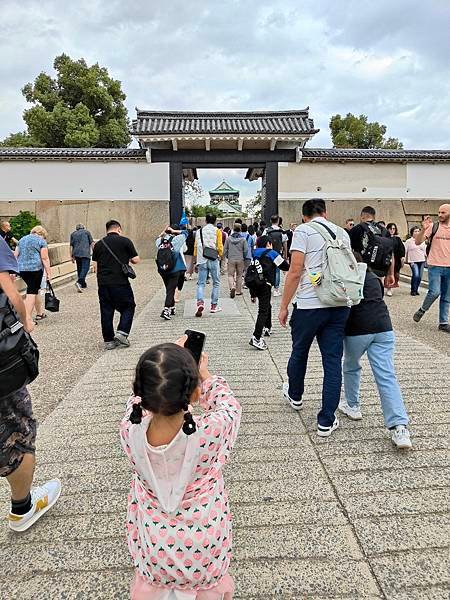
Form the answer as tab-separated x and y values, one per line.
40	317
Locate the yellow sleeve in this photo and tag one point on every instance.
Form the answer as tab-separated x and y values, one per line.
219	243
195	246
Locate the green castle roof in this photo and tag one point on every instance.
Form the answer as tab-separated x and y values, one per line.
224	188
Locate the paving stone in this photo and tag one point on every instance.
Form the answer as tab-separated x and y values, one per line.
419	593
421	568
394	460
374	481
281	490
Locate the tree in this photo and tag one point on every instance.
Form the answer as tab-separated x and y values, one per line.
82	107
193	192
254	206
23	223
357	132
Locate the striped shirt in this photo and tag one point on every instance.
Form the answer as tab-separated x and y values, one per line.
311	243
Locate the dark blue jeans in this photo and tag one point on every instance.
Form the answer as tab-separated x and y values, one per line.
112	298
83	265
328	326
416	275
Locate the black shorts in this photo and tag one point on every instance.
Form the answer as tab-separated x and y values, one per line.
17	430
33	280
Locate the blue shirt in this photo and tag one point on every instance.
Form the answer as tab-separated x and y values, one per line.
30	247
81	242
250	242
8	262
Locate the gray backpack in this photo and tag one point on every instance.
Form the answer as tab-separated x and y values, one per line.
342	279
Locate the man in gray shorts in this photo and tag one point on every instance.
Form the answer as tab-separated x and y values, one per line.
18	427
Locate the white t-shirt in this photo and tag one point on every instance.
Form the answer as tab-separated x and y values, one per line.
311	243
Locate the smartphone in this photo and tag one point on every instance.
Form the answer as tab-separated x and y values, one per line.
195	343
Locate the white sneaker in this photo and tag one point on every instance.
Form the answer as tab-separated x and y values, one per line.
389	292
122	340
400	437
259	344
79	288
215	308
352	412
276	292
267	332
295	404
42	499
327	431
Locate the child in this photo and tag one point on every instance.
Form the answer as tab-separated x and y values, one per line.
269	260
369	329
178	521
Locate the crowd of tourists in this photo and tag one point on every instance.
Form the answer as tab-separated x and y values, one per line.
178	520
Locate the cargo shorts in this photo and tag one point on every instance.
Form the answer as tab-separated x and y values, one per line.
17	430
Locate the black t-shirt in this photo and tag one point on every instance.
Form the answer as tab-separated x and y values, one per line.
7	236
371	315
109	271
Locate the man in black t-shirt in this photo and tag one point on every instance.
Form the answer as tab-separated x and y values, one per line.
6	233
114	289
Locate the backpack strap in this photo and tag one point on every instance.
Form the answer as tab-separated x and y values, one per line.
430	240
327	235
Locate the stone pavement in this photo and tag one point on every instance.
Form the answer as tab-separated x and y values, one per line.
346	517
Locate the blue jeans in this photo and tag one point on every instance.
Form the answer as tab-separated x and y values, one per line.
438	285
416	275
213	267
83	265
327	325
277	278
380	352
112	298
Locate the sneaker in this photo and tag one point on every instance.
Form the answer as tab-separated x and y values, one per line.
200	309
79	288
389	292
232	293
215	308
173	311
444	327
259	344
42	499
165	314
352	412
267	332
327	431
295	404
276	292
400	437
122	340
110	345
418	315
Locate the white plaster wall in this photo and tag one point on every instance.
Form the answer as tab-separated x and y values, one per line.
428	180
83	180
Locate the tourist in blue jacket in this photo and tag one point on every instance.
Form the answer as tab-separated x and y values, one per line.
175	276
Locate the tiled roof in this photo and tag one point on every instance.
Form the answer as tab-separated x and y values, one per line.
72	153
224	188
375	154
296	122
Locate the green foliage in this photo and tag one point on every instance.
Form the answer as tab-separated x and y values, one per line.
82	107
23	223
254	206
198	210
19	140
357	132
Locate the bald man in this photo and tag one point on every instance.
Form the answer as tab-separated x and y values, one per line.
437	237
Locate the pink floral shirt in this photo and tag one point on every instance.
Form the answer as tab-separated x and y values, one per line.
178	520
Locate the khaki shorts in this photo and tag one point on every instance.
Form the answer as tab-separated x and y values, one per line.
17	430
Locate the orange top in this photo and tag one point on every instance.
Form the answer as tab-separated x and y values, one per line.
440	248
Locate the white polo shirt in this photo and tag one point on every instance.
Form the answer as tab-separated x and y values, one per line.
307	240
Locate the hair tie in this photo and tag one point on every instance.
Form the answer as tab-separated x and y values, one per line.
136	414
189	425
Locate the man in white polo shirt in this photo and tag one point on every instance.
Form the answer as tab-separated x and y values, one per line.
311	319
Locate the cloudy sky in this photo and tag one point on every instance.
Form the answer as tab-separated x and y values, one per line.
388	59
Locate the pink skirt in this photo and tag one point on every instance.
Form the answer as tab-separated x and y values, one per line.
141	589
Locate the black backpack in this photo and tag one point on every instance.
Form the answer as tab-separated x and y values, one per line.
19	355
276	237
165	257
378	251
430	241
255	276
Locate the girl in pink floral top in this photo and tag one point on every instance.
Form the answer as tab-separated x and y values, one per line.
178	520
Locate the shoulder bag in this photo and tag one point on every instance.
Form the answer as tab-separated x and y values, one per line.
126	269
208	253
51	301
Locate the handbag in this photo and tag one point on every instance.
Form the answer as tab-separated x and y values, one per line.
209	253
19	354
51	301
126	269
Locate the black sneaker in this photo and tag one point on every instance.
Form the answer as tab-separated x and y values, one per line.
166	314
444	327
323	431
173	311
418	315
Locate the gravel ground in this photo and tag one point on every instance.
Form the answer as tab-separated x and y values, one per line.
70	341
